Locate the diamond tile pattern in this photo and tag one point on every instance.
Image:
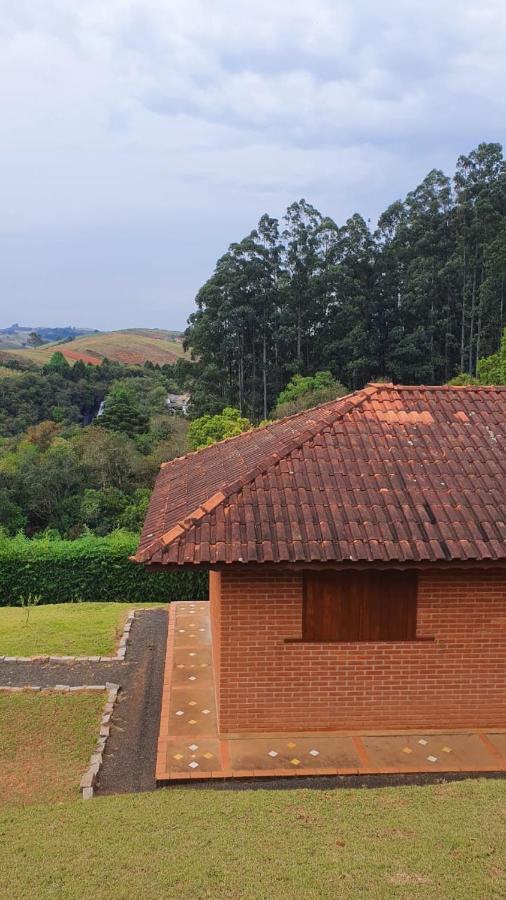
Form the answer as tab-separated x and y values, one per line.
190	747
387	473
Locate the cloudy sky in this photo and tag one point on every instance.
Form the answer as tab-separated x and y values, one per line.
140	137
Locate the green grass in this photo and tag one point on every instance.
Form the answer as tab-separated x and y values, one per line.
432	842
64	629
45	744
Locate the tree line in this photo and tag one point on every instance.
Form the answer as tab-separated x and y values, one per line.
418	299
66	471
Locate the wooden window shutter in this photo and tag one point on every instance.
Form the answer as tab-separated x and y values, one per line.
359	606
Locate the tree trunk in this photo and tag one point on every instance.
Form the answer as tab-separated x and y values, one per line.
471	326
463	316
480	318
264	373
241	373
299	335
447	333
502	309
254	381
431	342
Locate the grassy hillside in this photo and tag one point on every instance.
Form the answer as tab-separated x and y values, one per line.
131	346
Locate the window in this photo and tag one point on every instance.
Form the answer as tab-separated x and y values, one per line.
359	606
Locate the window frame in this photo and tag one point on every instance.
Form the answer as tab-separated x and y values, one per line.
371	612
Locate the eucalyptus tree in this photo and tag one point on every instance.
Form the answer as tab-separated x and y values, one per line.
480	212
418	300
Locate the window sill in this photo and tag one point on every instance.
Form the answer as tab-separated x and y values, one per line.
418	640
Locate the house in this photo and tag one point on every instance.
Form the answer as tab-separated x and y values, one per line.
357	556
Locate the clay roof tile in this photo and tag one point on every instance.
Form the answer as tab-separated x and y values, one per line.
390	473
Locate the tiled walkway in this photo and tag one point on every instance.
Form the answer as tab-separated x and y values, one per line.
189	746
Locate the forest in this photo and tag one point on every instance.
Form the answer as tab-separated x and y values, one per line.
67	471
417	299
299	312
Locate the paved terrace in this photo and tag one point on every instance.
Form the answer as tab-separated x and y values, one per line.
189	747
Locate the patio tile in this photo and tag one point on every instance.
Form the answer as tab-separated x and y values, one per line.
186	756
190	748
498	741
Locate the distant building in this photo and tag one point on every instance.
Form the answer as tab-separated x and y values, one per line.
178	403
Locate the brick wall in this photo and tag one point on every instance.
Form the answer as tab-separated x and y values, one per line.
265	684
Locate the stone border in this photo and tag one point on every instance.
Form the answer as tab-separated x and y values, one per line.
54	689
96	759
120	653
90	776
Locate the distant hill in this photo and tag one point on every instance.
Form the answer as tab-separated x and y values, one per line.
131	346
17	336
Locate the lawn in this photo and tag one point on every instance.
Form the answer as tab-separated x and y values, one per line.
186	844
63	629
45	744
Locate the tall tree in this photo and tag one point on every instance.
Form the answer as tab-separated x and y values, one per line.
418	300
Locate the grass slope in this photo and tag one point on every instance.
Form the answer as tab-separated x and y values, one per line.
131	346
408	842
64	629
45	745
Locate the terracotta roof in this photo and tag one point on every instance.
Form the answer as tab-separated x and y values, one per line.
389	473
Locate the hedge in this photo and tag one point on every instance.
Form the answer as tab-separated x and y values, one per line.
91	568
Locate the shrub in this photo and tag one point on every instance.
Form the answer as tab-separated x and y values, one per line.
208	429
492	369
463	379
305	391
91	568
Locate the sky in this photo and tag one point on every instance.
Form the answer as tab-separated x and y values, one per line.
138	138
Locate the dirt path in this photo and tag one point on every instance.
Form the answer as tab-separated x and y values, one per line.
130	757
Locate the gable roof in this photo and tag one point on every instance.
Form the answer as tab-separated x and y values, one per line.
389	473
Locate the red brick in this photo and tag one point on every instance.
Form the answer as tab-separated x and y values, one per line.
458	680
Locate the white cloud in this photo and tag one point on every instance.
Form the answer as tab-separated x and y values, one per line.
126	111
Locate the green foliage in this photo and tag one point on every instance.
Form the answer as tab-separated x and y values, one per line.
70	480
208	429
58	364
305	384
463	379
134	512
72	394
306	391
33	397
58	472
12	517
91	568
492	369
122	411
417	300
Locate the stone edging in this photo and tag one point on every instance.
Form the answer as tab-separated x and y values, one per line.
96	758
120	653
54	689
90	776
